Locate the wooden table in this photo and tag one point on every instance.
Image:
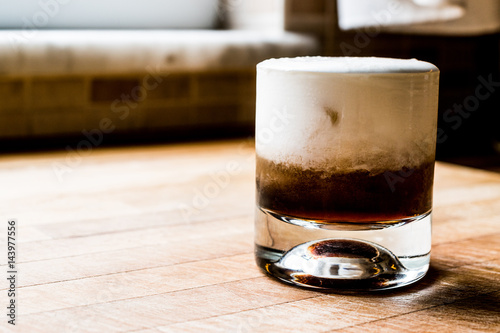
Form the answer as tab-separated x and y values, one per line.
159	239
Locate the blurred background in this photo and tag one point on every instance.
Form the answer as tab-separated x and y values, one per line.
130	72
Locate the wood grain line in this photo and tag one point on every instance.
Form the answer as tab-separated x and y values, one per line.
131	271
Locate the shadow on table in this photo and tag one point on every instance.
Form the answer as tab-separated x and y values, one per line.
461	290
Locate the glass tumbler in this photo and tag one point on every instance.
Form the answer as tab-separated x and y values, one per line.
345	150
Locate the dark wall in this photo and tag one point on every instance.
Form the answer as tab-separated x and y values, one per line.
469	106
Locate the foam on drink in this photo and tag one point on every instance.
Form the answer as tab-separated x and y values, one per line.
345	113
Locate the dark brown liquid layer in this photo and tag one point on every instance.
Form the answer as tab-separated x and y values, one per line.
344	197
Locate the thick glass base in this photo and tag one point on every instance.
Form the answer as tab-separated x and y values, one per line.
367	256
